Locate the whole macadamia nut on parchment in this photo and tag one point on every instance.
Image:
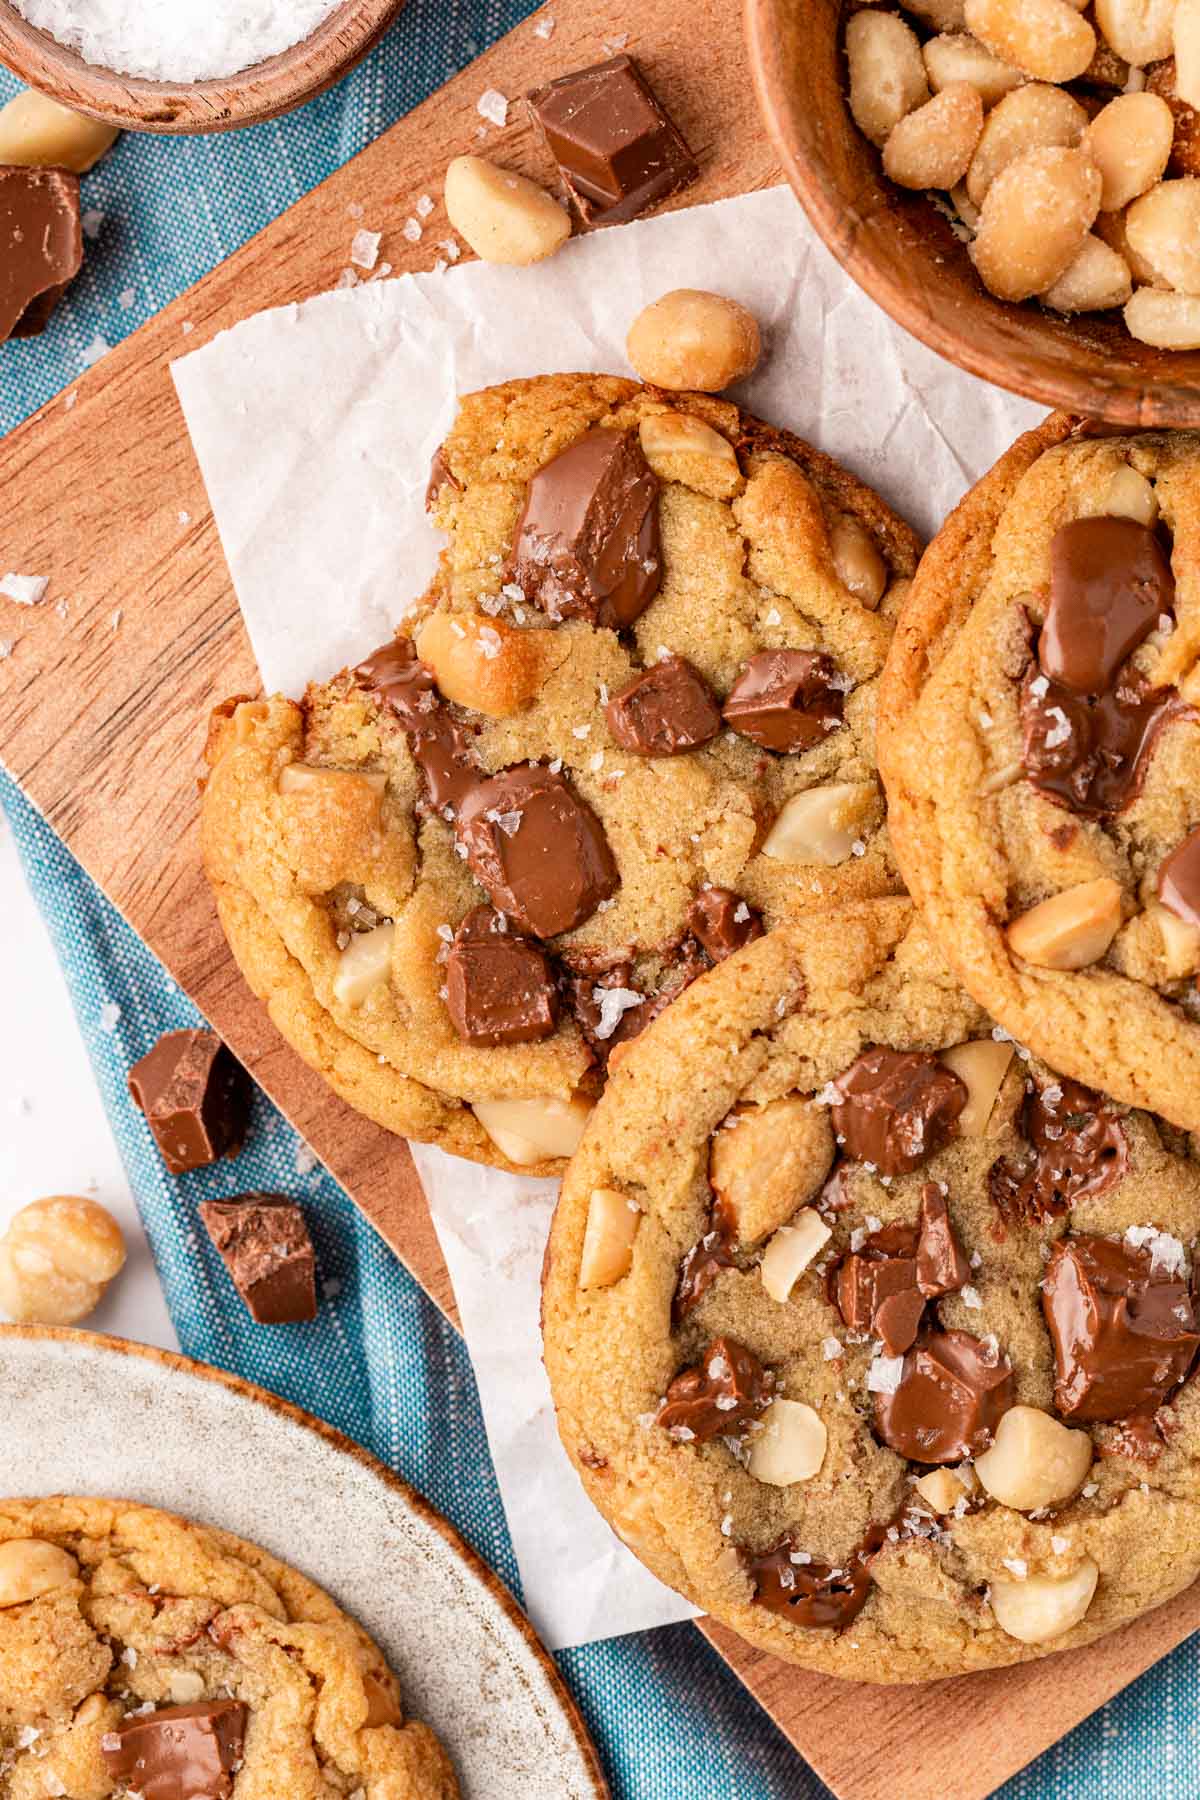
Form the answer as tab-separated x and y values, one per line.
56	1259
694	341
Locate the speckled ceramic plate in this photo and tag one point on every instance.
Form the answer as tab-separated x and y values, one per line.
94	1415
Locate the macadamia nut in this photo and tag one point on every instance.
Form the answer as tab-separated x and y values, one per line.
1045	38
982	1065
791	1445
29	1567
1098	278
1168	321
1138	30
1130	140
1036	117
859	566
503	216
1043	1607
612	1225
823	824
1034	1461
533	1131
887	73
1033	223
933	146
769	1160
960	57
1071	930
56	1259
1164	227
36	132
693	340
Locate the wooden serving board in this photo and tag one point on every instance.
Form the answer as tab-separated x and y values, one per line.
102	718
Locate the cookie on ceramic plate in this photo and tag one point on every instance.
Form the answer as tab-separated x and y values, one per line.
142	1653
869	1333
631	722
1041	747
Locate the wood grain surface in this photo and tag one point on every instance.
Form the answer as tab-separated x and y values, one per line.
102	720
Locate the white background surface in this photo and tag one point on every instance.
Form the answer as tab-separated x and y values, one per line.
54	1137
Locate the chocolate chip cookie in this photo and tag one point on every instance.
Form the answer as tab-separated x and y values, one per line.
631	722
144	1655
1041	747
867	1331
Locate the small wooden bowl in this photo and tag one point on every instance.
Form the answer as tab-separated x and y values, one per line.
904	254
262	92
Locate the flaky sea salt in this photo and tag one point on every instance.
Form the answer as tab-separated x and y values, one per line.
614	1003
883	1376
364	248
187	40
492	106
26	590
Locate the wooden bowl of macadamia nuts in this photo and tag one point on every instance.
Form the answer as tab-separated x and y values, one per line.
1017	182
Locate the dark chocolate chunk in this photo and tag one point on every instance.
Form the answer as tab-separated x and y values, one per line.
704	1261
723	1394
499	987
587	542
1179	880
1091	752
952	1393
178	1752
722	922
666	710
875	1288
1123	1322
264	1243
440	747
786	700
196	1098
41	246
538	849
816	1595
897	1108
942	1266
617	148
1079	1151
1110	582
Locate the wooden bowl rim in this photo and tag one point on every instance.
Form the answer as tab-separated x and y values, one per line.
132	102
1149	405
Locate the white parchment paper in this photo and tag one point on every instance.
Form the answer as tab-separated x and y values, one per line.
314	426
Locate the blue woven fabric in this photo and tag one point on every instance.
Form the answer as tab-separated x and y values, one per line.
380	1362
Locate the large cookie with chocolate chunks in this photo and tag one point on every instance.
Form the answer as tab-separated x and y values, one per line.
631	721
1040	740
866	1331
142	1654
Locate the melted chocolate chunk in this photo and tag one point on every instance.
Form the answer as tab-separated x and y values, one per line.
875	1288
1080	1151
263	1241
499	987
616	146
587	544
665	711
1123	1327
41	246
1110	582
722	922
538	849
786	700
704	1261
1091	752
952	1394
196	1098
942	1266
723	1394
440	475
897	1108
1179	880
815	1595
440	747
178	1752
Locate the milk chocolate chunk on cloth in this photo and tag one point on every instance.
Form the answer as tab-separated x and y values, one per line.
499	987
264	1243
665	711
786	700
952	1393
178	1752
196	1098
538	849
41	246
1122	1319
896	1108
587	542
615	144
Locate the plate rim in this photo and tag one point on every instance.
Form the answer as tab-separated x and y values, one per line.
338	1440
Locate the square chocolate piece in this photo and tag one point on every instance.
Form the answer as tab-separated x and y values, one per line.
617	148
196	1098
264	1243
